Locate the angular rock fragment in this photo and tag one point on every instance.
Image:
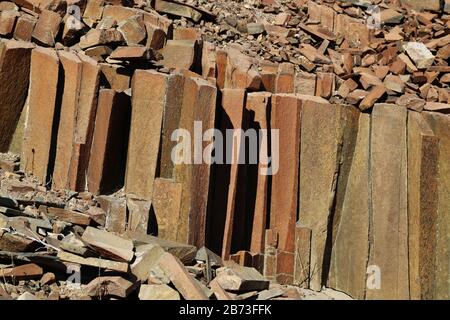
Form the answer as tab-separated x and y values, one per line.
108	244
185	284
238	278
47	28
114	286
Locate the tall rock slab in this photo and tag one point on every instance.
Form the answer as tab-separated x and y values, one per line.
15	57
389	220
72	68
193	172
322	134
149	92
286	119
85	118
423	199
171	122
350	251
41	111
258	103
226	198
440	124
106	170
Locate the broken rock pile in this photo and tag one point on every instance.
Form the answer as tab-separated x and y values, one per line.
49	252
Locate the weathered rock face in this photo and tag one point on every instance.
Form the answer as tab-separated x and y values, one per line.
389	218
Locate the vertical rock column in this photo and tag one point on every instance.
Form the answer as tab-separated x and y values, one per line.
440	124
389	220
423	192
41	112
286	118
350	250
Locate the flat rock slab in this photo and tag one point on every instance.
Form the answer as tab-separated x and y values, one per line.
24	272
184	252
93	262
239	278
109	244
423	200
322	132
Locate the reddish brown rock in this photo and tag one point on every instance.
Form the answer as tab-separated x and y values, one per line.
181	279
115	77
72	68
145	132
286	117
179	54
199	104
259	103
24	27
285	78
47	28
41	110
227	199
171	122
7	21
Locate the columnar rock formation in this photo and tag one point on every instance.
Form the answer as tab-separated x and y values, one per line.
125	104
